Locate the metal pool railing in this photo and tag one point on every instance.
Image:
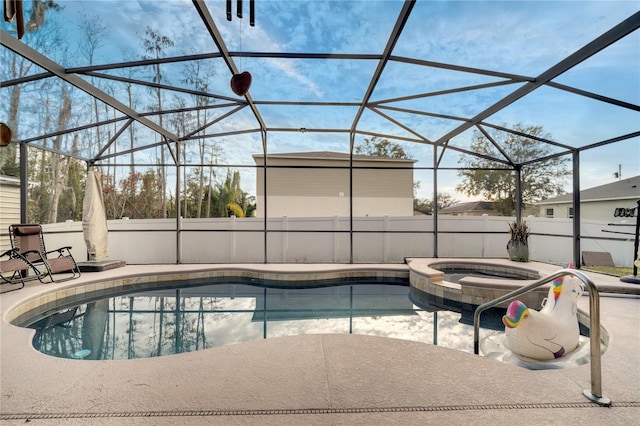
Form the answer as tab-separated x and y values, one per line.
595	393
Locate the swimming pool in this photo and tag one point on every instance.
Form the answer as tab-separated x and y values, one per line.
181	319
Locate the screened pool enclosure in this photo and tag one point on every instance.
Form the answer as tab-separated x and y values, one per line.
359	115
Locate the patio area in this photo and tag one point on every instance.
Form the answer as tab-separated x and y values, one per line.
313	379
360	121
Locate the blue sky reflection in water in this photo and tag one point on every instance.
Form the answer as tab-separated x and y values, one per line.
144	325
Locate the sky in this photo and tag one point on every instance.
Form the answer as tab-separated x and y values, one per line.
514	37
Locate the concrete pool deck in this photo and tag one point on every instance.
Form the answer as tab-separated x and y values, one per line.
313	379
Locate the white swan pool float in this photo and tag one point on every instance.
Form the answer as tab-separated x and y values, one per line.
551	332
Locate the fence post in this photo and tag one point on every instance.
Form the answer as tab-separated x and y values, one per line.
125	226
485	229
285	238
336	241
385	239
233	241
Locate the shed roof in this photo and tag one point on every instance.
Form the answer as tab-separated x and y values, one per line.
330	155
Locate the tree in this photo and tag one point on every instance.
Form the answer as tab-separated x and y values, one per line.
538	181
381	148
130	73
425	206
198	75
155	45
232	200
70	204
93	33
15	66
36	20
57	161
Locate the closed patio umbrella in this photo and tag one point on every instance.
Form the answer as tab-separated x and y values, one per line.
94	218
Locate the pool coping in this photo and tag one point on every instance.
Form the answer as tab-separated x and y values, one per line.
423	274
51	297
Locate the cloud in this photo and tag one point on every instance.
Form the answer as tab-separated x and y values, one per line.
289	69
517	37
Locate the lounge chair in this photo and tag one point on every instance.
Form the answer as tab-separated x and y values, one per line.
29	241
15	268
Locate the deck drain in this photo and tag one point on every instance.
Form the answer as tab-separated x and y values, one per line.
207	413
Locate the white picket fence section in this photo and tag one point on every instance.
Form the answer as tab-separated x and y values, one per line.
375	239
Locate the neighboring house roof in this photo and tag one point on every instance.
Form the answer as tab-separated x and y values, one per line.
9	180
330	155
15	181
472	206
620	190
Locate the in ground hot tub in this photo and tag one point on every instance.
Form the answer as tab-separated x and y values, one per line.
462	286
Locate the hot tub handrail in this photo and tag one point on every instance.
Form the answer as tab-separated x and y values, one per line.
595	394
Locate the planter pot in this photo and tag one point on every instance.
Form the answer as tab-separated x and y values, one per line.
518	251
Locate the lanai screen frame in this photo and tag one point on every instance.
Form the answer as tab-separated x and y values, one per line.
529	85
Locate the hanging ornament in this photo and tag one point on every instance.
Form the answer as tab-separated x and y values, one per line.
5	134
240	83
13	9
252	11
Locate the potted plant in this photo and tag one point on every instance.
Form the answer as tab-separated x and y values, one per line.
518	245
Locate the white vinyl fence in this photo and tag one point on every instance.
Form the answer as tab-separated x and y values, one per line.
328	239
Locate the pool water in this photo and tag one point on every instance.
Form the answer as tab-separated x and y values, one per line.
171	321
